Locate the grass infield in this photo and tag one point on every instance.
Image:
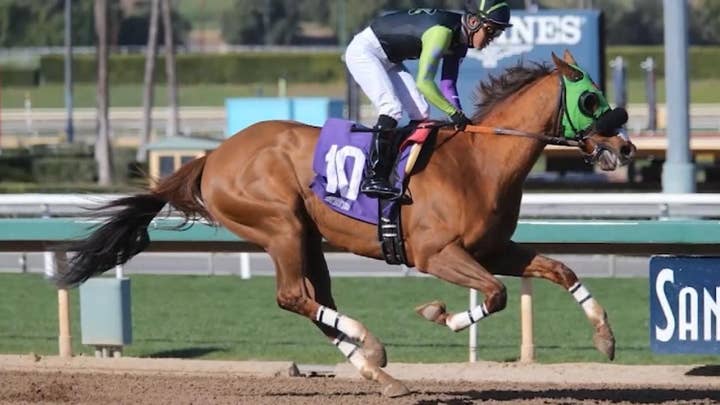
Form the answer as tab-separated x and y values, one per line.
223	317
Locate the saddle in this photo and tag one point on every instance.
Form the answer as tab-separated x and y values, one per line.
339	164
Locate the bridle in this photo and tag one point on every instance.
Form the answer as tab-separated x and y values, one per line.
555	137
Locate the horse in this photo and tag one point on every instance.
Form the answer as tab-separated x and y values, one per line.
465	208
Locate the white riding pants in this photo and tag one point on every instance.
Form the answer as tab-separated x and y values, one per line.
389	86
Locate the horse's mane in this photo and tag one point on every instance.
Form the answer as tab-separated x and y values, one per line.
497	88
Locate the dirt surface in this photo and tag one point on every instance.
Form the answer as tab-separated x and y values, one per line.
82	380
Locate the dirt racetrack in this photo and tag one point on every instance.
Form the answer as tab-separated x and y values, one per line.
31	379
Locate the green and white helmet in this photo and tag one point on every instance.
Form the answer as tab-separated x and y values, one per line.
496	12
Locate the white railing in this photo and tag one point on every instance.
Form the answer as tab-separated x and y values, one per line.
620	205
540	205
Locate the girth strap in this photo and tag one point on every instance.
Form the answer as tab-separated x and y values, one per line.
390	233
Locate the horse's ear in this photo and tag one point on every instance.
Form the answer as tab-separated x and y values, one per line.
568	71
569	58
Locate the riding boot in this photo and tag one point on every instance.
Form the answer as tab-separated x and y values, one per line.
381	161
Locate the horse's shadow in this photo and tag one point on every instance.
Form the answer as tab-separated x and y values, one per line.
185	353
569	396
711	370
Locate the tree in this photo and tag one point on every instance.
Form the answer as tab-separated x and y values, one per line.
103	155
641	24
40	23
149	82
173	117
31	23
269	22
134	29
705	22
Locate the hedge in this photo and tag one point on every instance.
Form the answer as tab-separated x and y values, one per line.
15	167
19	76
241	68
67	188
265	67
64	169
61	164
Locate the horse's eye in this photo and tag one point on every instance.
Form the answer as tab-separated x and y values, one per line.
588	103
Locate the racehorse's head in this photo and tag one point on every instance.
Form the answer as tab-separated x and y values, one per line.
585	116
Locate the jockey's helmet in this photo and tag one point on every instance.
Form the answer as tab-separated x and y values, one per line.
492	12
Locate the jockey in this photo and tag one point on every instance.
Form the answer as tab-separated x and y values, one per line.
374	58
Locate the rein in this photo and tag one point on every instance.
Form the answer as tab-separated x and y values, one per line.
480	129
549	139
542	137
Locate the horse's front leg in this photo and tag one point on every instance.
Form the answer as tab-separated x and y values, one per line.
521	261
454	264
307	292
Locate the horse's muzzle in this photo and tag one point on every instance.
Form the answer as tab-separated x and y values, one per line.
608	158
627	153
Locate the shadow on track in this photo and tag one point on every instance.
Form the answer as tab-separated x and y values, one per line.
594	395
186	353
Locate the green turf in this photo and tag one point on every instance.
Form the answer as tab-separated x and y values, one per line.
228	318
51	95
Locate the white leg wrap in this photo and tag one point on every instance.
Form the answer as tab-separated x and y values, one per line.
351	352
461	320
588	303
581	294
342	323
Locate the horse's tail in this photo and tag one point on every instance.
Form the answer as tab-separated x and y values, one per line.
125	233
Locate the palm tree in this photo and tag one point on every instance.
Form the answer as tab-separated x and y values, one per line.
148	90
173	119
103	156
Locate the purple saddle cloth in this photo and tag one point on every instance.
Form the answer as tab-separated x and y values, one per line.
339	165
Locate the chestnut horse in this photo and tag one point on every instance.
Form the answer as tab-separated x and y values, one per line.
458	228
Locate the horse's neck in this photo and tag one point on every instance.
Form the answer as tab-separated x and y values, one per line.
527	112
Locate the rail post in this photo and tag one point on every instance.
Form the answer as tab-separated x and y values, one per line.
648	65
527	347
245	272
472	339
619	81
64	336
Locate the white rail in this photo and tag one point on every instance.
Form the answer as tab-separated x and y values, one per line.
528	198
620	199
560	205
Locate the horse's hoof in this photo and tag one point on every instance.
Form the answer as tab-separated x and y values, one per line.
374	351
604	341
432	311
395	389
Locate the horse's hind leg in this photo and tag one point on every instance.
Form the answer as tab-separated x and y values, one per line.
524	262
309	293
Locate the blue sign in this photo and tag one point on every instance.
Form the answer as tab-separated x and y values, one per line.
240	113
533	37
685	304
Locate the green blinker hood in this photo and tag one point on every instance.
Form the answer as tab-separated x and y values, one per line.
575	119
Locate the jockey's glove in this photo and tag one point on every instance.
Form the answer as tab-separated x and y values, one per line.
460	120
